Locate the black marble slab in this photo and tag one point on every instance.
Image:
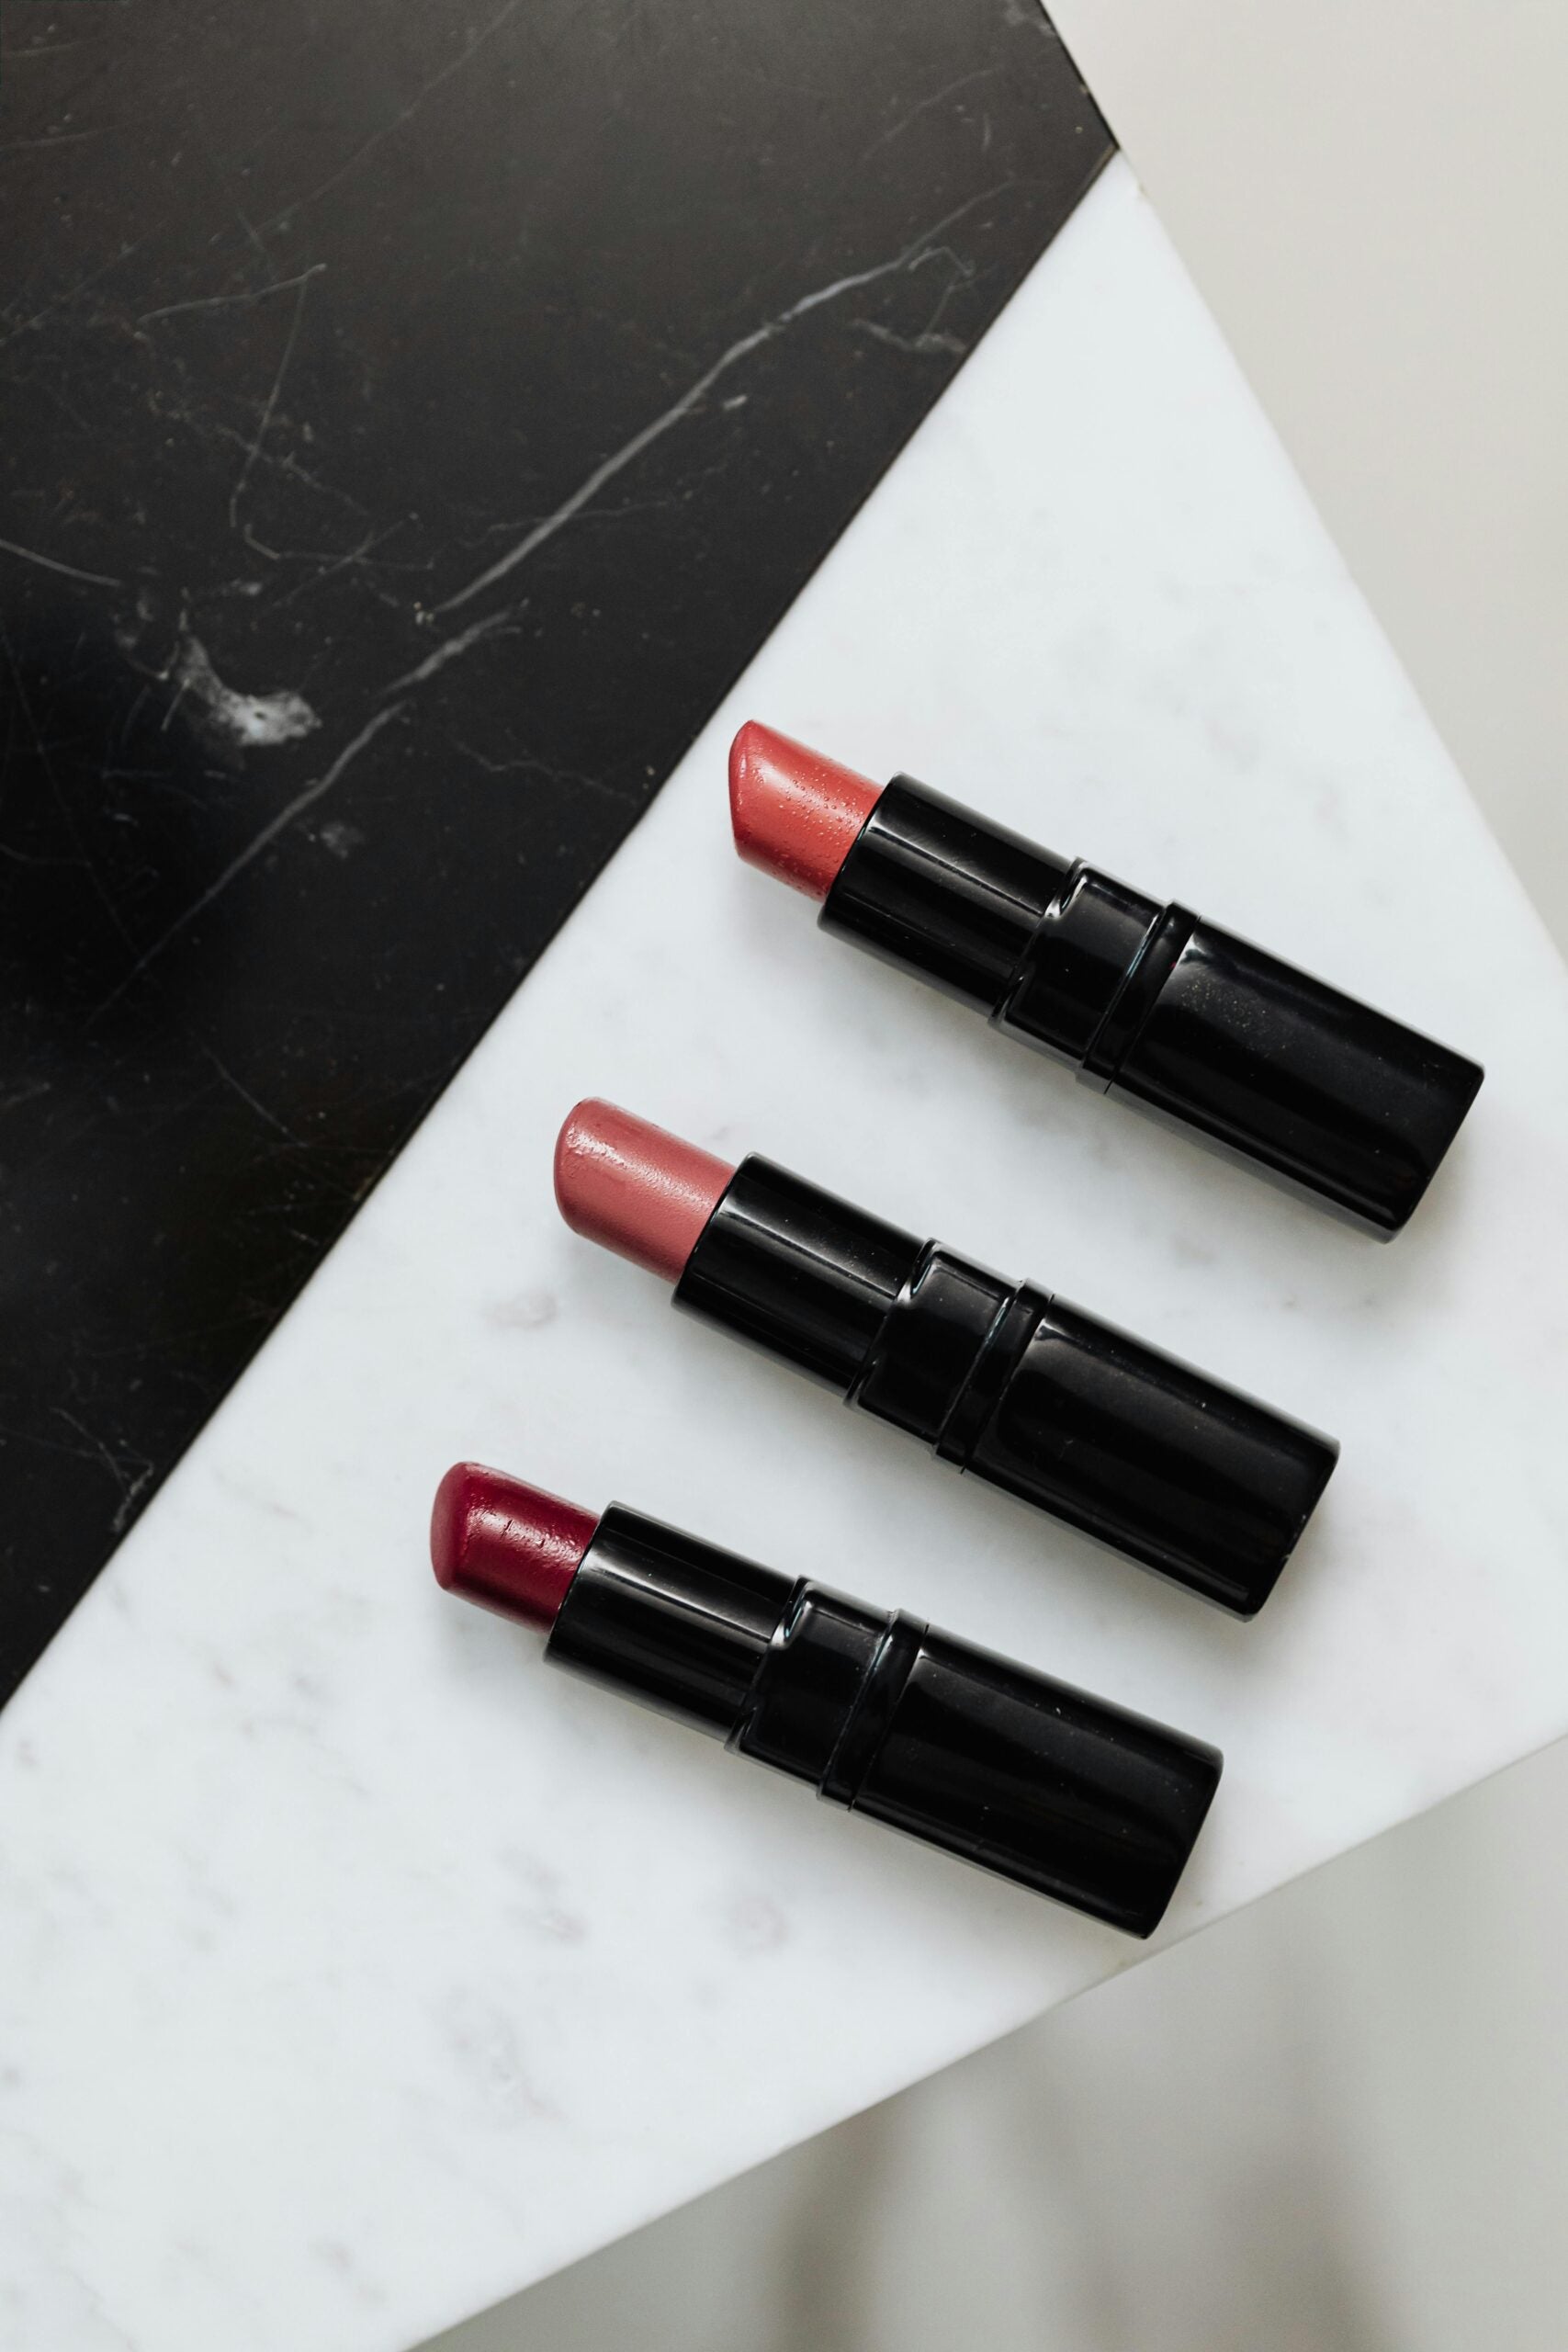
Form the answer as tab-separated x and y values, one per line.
412	419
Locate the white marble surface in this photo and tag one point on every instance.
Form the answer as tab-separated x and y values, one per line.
355	1969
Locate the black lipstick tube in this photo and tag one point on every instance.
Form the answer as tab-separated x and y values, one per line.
1193	1479
1157	1007
1002	1766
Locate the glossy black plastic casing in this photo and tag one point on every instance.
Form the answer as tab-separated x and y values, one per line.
1193	1479
1156	1006
1004	1767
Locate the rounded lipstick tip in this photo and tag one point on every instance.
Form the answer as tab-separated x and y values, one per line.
633	1188
506	1545
795	814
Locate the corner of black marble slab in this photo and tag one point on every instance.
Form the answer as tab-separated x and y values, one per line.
414	422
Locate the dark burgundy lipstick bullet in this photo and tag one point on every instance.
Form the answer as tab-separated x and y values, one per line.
1194	1480
1150	1004
1056	1790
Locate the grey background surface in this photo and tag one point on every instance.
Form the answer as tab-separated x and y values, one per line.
1374	202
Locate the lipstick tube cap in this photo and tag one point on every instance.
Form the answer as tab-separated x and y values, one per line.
995	1763
1156	1006
1329	1097
1060	1791
991	1760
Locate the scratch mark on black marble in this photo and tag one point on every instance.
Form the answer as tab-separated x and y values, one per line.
166	1343
54	139
937	98
359	555
50	1446
133	714
28	1093
227	302
53	563
127	1504
919	250
470	50
58	301
931	341
287	464
453	647
253	452
282	555
271	1117
249	226
306	799
21	857
552	774
129	1487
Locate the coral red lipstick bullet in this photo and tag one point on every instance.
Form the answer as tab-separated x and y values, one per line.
1194	1480
1149	1003
636	1190
989	1760
795	814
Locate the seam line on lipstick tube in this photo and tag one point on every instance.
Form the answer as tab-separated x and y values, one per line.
871	1711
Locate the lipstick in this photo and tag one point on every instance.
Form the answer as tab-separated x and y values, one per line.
989	1760
1196	1481
1146	1002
